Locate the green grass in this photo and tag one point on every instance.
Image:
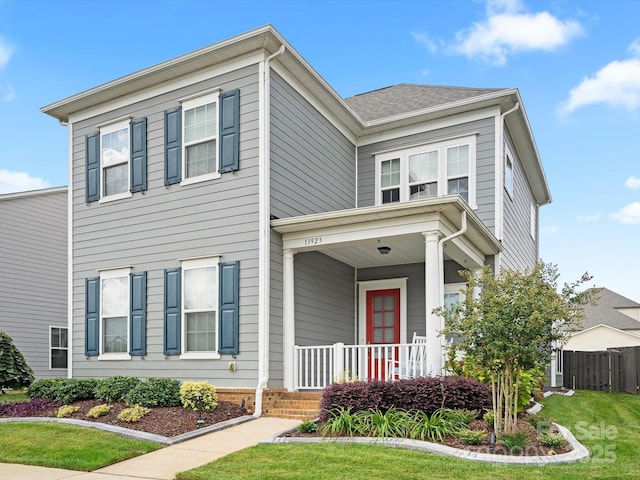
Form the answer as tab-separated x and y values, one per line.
14	396
608	424
66	446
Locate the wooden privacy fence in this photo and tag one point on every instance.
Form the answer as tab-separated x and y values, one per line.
613	370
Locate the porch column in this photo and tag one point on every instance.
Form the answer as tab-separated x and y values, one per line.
433	299
288	320
477	273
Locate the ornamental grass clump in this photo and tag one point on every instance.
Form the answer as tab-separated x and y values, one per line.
199	396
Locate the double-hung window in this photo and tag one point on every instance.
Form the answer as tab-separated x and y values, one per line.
58	342
427	171
200	147
114	312
508	174
200	305
114	159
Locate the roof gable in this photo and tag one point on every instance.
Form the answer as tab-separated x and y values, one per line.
604	312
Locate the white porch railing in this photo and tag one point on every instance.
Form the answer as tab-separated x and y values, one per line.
317	367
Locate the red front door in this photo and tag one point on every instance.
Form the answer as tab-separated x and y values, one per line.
383	326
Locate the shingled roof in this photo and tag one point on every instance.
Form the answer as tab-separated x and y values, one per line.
604	312
405	97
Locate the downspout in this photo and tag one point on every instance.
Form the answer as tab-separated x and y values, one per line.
264	232
69	250
500	175
441	242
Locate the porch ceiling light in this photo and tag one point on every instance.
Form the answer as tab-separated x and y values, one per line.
384	250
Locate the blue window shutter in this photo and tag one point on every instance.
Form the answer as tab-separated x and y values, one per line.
229	131
138	163
172	311
228	311
92	317
173	146
92	152
138	314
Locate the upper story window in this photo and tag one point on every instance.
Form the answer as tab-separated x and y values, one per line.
427	171
200	136
508	174
114	159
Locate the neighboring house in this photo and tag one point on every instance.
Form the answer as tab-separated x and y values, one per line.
613	321
33	277
236	220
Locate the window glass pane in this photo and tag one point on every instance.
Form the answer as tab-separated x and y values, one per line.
201	332
389	319
423	167
508	175
200	122
458	160
115	335
389	302
388	335
423	190
63	338
116	179
450	301
390	173
391	196
58	358
115	296
55	337
199	288
115	147
377	303
201	159
378	335
460	186
377	319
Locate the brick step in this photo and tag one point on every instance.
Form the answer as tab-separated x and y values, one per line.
299	414
299	404
301	396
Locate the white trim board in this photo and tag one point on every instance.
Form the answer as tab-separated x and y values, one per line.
366	286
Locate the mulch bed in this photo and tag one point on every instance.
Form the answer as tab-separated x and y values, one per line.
165	421
533	448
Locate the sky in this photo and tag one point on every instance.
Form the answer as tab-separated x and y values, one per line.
575	63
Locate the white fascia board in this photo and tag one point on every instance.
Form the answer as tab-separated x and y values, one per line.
308	96
428	126
32	193
170	86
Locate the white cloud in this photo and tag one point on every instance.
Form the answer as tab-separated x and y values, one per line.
632	182
7	93
634	48
5	53
629	214
508	29
19	181
588	218
426	41
550	230
617	84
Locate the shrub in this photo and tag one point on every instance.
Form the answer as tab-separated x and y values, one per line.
32	408
307	427
392	423
341	421
425	393
63	390
471	437
115	389
155	392
489	418
434	427
14	371
515	441
552	440
133	414
99	411
207	402
66	411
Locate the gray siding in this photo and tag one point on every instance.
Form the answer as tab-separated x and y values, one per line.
520	249
276	371
154	230
33	273
324	300
312	163
485	163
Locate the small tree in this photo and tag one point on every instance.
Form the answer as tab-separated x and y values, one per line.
14	371
512	326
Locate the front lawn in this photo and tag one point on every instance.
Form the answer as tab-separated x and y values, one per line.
66	446
608	424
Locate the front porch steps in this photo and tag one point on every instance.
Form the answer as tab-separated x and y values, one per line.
296	405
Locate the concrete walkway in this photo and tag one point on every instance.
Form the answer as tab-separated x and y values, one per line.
165	463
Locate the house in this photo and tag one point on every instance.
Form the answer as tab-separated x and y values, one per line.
33	277
235	220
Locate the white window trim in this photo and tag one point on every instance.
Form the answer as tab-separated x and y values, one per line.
51	367
508	158
188	104
114	273
364	287
190	265
441	147
105	130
